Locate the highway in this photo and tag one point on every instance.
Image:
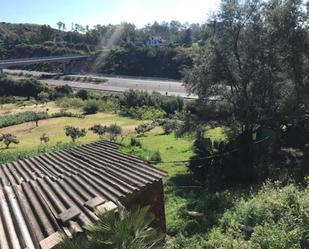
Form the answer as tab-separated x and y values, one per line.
29	61
119	84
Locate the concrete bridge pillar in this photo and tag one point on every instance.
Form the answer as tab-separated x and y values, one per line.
66	68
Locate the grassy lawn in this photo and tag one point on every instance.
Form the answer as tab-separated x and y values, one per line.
29	135
50	107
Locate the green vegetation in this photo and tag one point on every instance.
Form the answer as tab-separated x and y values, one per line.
143	128
237	157
29	116
121	230
74	133
8	139
145	106
114	131
146	61
12	155
228	215
23	87
99	130
91	107
273	217
129	53
22	117
44	138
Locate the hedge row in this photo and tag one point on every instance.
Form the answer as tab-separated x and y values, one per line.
29	116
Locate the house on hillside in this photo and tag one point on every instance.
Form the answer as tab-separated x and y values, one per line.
61	192
155	41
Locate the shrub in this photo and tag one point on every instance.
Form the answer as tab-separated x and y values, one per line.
275	217
114	131
29	116
82	94
8	139
143	128
121	229
144	113
169	126
155	157
70	102
172	104
74	132
43	96
62	91
91	107
139	99
24	87
9	156
99	130
22	117
44	138
66	114
135	142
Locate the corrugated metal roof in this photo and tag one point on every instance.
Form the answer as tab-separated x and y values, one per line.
44	196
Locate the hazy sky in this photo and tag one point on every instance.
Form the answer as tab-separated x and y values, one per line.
91	12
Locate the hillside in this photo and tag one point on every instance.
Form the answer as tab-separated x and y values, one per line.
119	49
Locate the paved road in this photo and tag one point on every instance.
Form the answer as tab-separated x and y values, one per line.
29	61
120	84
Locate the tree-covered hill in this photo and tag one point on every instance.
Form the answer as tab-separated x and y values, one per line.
118	49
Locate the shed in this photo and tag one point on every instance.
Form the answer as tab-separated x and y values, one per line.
45	196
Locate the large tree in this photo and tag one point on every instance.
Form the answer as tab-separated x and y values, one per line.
255	59
256	64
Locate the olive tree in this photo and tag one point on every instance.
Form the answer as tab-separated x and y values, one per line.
44	138
74	132
254	64
98	129
8	139
114	131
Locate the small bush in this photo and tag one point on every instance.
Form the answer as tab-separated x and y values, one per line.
74	132
62	91
98	129
70	102
155	157
275	217
66	114
9	156
43	96
91	107
143	128
135	142
44	138
82	94
114	131
144	113
22	117
168	127
8	139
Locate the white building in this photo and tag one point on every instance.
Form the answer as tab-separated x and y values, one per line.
155	41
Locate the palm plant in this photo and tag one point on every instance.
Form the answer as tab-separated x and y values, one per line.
119	230
125	230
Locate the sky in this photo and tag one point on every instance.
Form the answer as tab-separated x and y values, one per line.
92	12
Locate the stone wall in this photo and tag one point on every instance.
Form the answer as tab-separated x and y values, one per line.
153	196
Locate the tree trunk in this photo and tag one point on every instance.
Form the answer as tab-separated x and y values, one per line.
245	145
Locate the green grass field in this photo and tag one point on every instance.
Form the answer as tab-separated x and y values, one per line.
29	135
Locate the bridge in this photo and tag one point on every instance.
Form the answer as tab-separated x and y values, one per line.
30	61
